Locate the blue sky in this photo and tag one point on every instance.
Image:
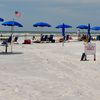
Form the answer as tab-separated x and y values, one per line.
72	12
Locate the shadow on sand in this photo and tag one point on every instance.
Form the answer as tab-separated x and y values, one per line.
10	53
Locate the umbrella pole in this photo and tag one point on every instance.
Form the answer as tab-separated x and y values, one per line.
63	34
12	28
11	46
63	41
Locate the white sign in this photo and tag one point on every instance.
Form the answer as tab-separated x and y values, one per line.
90	49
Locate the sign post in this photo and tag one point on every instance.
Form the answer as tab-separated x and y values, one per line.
90	49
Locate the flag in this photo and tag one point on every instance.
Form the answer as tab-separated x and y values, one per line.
17	14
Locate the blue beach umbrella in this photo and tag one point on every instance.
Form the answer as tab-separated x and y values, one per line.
63	26
1	19
96	28
41	24
12	24
82	27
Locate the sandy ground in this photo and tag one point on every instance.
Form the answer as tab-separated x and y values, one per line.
49	71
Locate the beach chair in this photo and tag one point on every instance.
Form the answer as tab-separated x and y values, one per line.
50	38
67	37
9	39
15	39
44	38
5	42
98	37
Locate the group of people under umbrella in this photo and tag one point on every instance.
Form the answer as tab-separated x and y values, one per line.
43	24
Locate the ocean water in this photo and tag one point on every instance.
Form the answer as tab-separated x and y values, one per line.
31	33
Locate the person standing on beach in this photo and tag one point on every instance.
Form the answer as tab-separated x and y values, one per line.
78	34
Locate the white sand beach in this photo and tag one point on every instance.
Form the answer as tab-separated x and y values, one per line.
49	71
